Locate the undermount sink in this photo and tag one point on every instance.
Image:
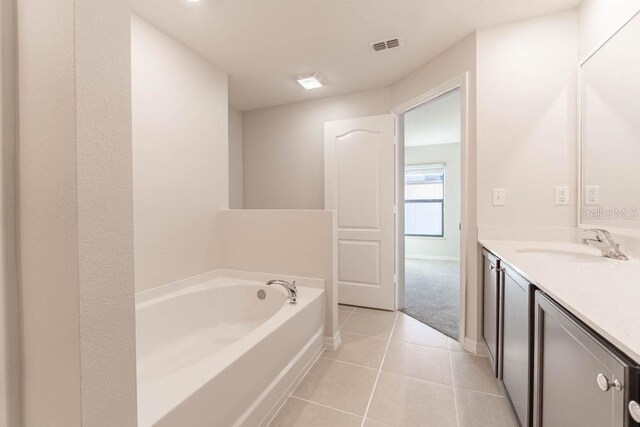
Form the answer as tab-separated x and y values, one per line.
572	255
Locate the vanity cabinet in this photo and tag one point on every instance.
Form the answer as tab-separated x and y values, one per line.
579	379
553	369
491	300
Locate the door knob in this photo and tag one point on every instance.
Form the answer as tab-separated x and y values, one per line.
634	411
605	384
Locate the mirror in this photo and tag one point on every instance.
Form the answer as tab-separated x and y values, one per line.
610	130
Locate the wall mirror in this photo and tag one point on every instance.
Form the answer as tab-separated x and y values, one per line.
610	133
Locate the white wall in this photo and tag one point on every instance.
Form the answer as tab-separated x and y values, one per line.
76	220
527	120
287	242
436	247
180	157
9	316
599	19
284	148
236	159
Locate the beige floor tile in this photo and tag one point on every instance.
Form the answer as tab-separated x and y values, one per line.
358	349
366	324
338	385
477	409
427	363
374	312
373	423
474	373
342	317
404	401
412	331
348	308
298	413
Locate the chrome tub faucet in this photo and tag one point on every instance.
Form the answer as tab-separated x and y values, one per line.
292	290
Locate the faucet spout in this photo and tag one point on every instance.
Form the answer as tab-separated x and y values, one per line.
292	290
605	243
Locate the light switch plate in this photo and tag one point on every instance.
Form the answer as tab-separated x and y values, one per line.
592	195
499	197
562	196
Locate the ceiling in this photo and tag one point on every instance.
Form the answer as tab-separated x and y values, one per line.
434	122
263	44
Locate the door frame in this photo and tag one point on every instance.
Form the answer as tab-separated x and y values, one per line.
461	82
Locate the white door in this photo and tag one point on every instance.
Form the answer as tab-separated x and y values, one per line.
359	179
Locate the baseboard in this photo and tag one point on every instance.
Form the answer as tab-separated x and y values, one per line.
271	400
332	343
432	258
474	347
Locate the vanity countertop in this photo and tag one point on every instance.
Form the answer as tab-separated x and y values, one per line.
603	293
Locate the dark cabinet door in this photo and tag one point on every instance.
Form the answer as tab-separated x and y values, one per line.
579	380
491	298
516	355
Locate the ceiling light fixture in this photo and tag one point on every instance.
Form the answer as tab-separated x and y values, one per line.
309	81
193	1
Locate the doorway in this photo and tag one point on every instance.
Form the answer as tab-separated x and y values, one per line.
432	210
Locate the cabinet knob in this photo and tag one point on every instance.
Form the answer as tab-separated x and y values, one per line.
605	384
634	411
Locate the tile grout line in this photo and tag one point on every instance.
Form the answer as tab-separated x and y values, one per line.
348	363
345	320
453	386
361	335
324	406
375	384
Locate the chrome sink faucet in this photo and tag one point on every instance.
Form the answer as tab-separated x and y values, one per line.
605	243
292	290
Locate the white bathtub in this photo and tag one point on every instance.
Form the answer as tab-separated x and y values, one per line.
214	354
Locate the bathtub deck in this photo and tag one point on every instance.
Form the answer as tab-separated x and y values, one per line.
392	370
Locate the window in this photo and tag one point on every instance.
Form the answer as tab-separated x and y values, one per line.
424	200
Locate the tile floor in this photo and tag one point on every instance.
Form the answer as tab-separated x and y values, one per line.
392	370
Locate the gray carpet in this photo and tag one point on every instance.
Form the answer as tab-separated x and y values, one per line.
432	294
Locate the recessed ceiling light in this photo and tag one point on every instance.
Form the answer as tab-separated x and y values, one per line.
310	81
193	1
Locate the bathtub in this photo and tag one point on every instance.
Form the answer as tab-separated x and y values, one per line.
214	354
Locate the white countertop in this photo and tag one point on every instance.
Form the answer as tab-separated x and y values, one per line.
603	293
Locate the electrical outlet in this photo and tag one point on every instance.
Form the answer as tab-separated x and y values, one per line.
499	197
562	196
592	195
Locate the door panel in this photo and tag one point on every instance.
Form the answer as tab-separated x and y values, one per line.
516	350
569	359
359	185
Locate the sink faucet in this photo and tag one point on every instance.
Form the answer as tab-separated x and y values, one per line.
292	290
606	244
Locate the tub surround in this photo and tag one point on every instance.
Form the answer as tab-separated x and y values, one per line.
601	292
210	352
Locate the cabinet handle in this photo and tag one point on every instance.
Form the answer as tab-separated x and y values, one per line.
634	411
605	384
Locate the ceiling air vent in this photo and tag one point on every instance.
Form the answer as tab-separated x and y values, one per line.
379	46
